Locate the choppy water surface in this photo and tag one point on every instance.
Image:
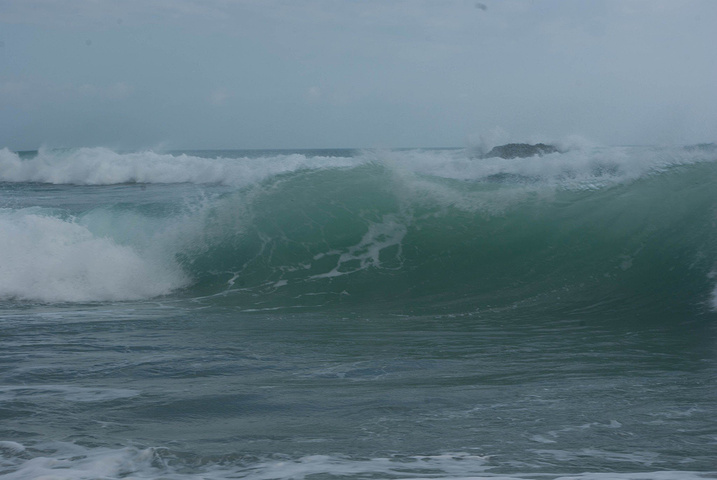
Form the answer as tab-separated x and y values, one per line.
349	314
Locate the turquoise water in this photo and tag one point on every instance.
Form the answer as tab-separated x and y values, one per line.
358	314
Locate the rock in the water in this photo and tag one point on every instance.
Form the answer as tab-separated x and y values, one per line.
521	150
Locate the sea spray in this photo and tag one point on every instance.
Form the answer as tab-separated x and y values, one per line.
54	259
101	166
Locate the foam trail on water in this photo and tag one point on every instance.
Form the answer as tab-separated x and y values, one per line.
53	259
69	393
367	252
65	460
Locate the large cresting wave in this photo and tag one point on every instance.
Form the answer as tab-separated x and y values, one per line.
409	230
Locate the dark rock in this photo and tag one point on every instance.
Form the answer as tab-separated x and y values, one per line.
521	150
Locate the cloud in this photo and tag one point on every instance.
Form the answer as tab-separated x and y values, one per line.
219	97
313	94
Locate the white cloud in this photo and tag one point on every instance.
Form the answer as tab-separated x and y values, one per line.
219	97
313	94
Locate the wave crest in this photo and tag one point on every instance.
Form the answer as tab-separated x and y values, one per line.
101	166
575	168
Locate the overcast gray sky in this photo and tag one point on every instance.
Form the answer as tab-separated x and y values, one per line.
177	74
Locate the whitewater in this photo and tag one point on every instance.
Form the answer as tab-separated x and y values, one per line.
410	313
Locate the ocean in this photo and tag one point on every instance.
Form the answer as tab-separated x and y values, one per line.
358	314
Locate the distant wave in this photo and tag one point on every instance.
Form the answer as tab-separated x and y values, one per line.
100	166
577	168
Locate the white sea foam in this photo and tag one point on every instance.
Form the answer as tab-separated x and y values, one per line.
13	447
101	166
583	165
587	167
492	186
69	461
52	259
647	459
367	253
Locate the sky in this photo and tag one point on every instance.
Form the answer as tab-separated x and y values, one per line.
204	74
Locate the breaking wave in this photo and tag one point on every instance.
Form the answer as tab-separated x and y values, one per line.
399	229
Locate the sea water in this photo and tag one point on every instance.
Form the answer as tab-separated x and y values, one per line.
358	314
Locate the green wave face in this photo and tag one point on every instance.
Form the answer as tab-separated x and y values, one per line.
374	237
